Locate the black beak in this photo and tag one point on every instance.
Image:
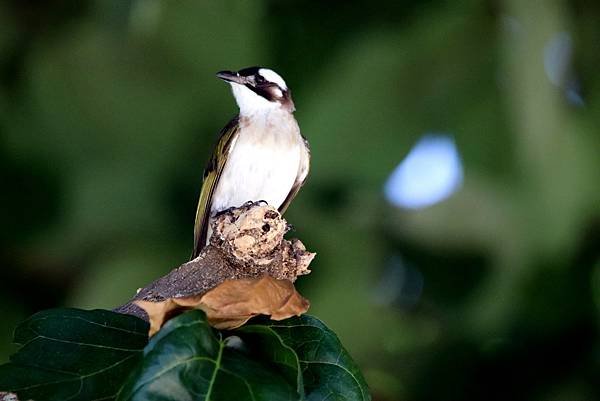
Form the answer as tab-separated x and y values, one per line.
230	76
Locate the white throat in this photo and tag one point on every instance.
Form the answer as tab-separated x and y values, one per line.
251	103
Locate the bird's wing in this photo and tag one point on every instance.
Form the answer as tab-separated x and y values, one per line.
212	173
300	178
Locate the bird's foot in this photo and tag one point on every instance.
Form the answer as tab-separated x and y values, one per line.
247	204
256	203
224	211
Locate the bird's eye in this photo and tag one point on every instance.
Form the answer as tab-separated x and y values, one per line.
259	79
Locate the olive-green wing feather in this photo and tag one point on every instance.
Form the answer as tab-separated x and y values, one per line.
212	174
300	178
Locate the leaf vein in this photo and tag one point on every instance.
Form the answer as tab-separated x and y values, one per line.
40	336
343	368
137	333
214	374
72	379
162	372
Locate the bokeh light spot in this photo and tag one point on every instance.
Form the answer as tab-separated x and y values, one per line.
430	173
557	58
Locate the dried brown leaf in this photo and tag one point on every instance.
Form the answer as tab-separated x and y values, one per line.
160	312
233	303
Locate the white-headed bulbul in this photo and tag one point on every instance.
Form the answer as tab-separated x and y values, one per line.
260	155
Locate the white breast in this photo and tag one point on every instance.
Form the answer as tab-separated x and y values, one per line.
262	165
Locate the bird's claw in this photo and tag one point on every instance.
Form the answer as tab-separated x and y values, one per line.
247	204
224	211
256	203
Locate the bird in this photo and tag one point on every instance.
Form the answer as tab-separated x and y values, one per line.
260	156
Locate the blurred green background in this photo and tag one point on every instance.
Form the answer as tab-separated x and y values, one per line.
454	197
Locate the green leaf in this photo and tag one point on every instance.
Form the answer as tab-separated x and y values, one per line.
265	344
188	360
328	371
71	354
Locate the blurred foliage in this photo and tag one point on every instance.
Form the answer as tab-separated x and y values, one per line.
109	109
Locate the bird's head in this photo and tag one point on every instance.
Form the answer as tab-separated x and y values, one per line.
258	90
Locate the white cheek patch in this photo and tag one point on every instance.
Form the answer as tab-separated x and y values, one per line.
249	102
278	92
272	76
